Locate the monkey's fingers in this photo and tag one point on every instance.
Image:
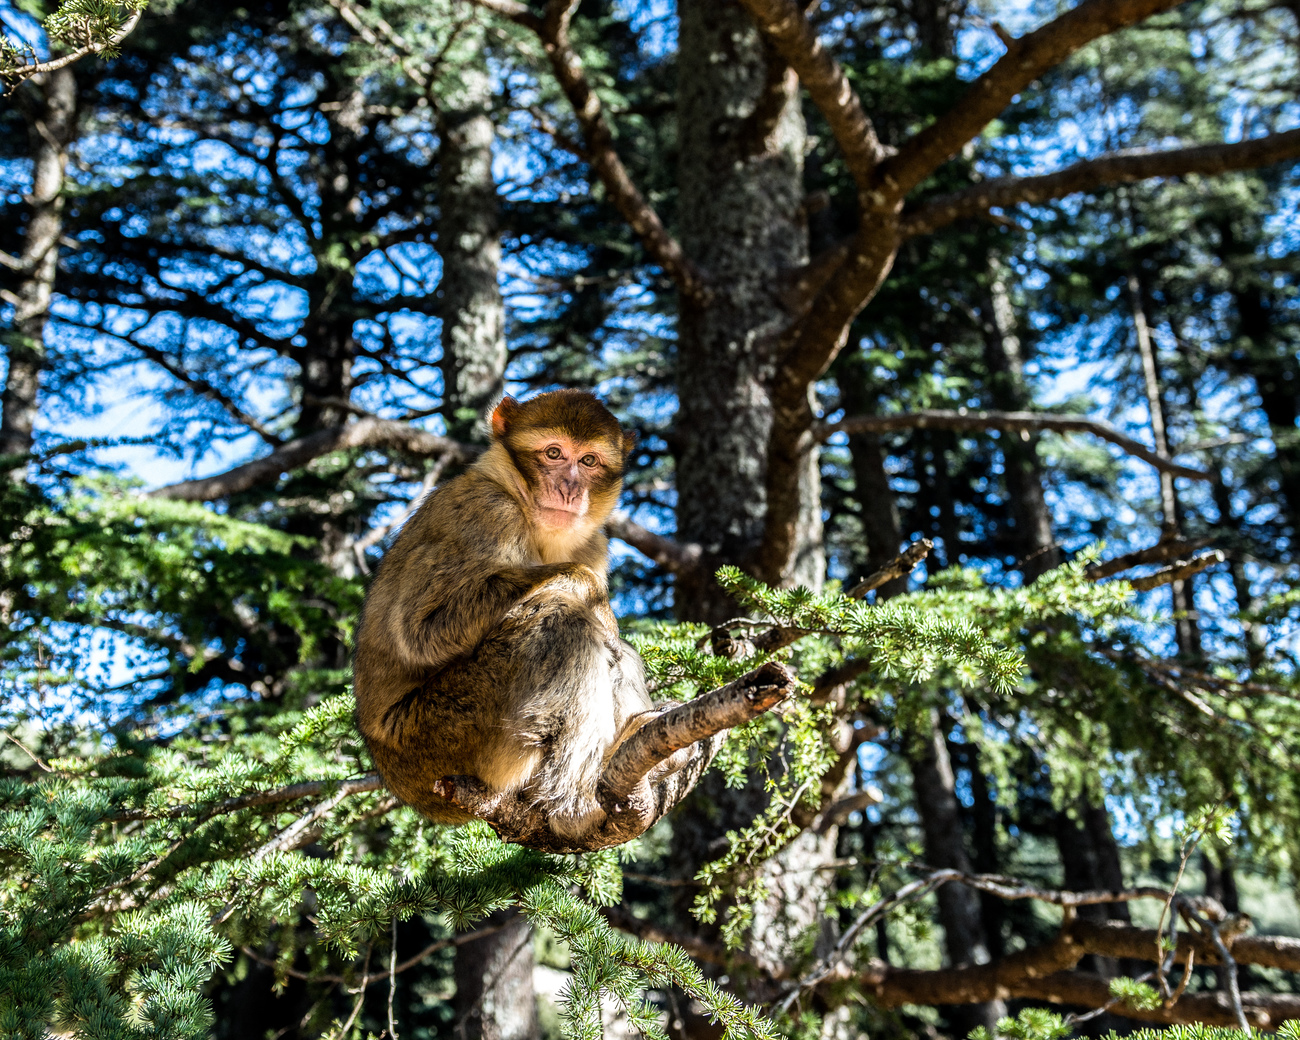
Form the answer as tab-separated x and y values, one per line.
679	727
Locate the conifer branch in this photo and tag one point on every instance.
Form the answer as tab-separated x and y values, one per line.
381	434
14	74
1027	58
552	31
1120	168
899	567
1162	552
1011	422
252	799
1180	571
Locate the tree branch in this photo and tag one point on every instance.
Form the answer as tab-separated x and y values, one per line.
899	567
1120	168
19	73
275	796
671	555
1009	421
1180	571
1161	552
387	434
552	30
518	819
790	33
1027	58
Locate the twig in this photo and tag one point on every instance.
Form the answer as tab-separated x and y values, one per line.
392	982
291	793
29	753
1161	552
1180	571
899	567
17	75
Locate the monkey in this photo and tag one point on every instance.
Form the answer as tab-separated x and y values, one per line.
486	645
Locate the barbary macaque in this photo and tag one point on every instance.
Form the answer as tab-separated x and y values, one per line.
487	647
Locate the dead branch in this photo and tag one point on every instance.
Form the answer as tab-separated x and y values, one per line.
552	31
1011	422
1161	552
381	434
783	23
631	801
1180	571
899	567
1120	168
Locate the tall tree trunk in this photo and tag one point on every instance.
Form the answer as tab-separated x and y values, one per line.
1186	630
494	974
494	983
469	299
1033	545
49	106
935	789
742	221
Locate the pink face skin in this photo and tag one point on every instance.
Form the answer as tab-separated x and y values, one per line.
565	470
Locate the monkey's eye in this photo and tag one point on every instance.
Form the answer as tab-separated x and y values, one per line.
554	453
589	460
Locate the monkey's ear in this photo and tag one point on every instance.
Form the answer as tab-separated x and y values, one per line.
501	416
629	445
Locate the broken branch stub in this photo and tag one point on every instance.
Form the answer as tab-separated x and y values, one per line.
632	802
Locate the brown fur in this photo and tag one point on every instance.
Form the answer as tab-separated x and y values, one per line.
487	647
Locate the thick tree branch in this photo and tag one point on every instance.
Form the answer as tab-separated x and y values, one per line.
1180	571
552	31
1026	59
670	555
518	819
1120	168
1161	552
1011	422
793	37
386	434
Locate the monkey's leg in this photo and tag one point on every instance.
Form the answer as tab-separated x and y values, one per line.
572	690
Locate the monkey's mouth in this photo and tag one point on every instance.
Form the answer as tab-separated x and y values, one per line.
560	516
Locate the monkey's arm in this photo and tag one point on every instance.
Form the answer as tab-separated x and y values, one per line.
447	619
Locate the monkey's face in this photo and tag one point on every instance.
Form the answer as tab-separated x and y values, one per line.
568	478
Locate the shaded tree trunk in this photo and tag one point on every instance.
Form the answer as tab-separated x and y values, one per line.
494	975
742	221
48	103
494	983
935	789
1034	544
1186	630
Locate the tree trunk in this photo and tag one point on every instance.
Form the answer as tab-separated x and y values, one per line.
1034	544
49	105
494	975
494	983
742	222
469	299
1186	630
935	789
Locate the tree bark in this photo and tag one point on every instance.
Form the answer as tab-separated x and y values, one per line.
742	221
494	983
494	975
49	105
469	299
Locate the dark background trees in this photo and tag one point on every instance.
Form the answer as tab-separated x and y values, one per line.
854	275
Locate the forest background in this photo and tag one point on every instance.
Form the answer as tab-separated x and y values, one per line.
1009	291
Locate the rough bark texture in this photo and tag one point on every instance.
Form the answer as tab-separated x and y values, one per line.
494	983
742	139
470	305
494	975
49	105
